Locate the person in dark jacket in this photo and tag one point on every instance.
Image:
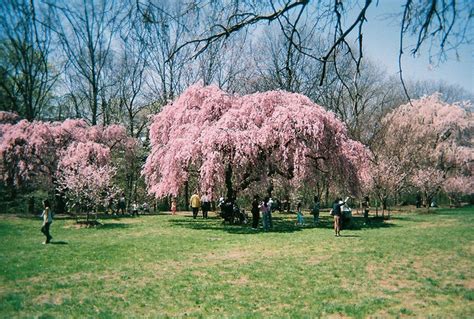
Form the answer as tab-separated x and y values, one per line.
255	212
315	210
337	213
365	207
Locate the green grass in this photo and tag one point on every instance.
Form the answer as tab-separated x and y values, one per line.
415	265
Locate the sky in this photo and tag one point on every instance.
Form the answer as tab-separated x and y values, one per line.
381	45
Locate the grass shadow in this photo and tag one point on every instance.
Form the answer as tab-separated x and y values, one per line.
281	224
350	236
58	242
356	223
113	226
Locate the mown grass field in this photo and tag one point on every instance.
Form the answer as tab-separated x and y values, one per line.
415	265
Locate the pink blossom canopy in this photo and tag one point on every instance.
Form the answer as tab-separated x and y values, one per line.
266	134
35	149
428	143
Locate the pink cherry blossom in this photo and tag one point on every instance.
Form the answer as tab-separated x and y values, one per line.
425	143
276	134
85	175
68	155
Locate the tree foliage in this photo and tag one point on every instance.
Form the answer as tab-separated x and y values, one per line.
239	140
62	155
424	144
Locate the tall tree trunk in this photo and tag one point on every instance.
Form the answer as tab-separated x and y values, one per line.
94	105
186	194
270	189
228	181
326	195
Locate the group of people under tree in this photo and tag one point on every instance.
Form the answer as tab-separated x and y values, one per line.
121	206
264	207
231	212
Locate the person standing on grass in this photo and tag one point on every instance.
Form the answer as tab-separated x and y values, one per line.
315	210
365	207
173	206
206	205
337	212
195	203
255	213
135	209
270	217
121	204
47	220
265	209
299	215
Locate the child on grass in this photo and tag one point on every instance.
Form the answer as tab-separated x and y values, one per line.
300	218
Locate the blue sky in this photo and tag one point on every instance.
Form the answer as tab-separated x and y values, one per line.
381	44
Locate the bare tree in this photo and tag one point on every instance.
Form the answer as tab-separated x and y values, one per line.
441	23
451	93
86	30
165	70
280	66
131	77
27	76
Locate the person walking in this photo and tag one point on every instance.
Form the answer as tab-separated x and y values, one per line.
47	221
315	210
206	205
255	213
195	203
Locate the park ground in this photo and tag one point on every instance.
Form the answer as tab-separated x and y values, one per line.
417	264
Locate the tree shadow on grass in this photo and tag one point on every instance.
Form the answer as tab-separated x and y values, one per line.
281	224
113	226
216	223
358	223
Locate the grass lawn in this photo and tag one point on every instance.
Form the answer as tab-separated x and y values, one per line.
415	265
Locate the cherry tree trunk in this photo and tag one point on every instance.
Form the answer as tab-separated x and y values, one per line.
186	195
228	181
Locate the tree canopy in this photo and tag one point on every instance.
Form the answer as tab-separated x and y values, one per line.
237	140
426	144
